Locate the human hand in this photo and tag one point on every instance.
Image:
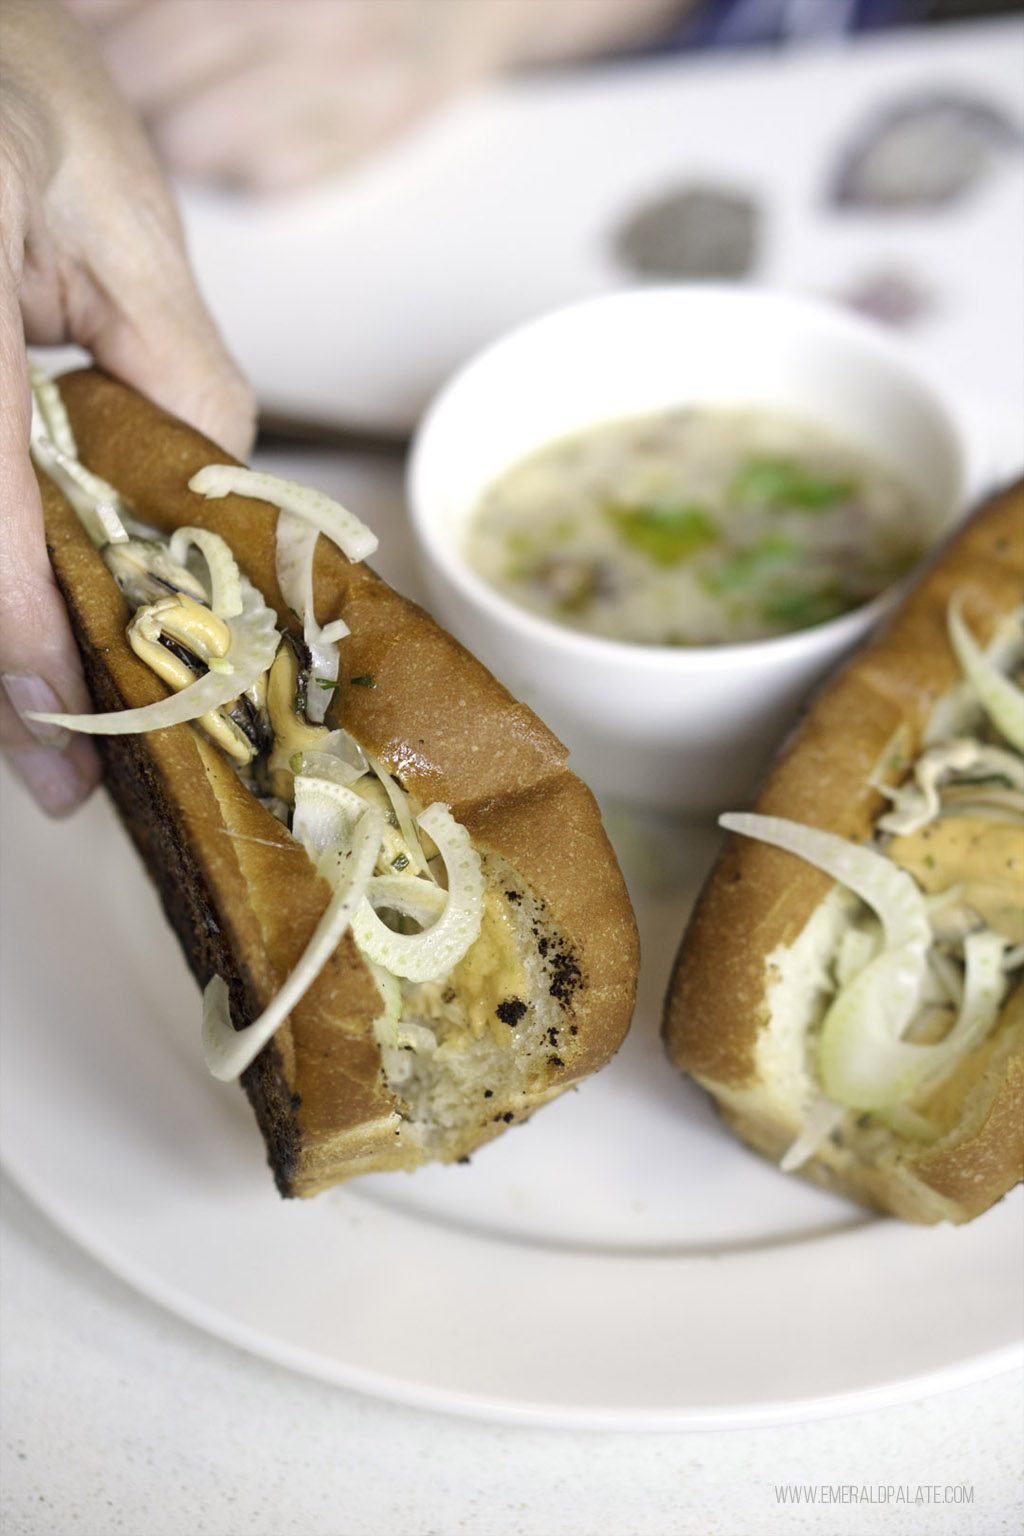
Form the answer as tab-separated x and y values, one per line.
269	94
91	253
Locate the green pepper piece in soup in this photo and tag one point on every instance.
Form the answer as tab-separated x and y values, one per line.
745	568
801	607
668	535
778	482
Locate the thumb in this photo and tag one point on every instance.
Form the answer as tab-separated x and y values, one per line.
161	340
39	665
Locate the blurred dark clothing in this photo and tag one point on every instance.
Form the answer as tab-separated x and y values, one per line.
750	23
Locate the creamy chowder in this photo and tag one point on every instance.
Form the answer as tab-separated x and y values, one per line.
696	527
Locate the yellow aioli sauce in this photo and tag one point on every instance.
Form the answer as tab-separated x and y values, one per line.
982	859
491	974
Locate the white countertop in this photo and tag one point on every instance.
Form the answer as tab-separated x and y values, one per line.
118	1417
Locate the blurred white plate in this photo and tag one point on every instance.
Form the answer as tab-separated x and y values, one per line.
620	1262
355	301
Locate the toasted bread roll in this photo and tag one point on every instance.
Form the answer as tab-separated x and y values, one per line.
544	994
753	1010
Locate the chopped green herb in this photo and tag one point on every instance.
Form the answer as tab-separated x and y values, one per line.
400	861
772	482
364	681
519	543
327	682
746	566
801	608
667	535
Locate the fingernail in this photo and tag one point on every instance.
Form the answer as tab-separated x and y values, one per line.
51	777
32	694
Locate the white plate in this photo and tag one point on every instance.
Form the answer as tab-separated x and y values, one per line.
620	1262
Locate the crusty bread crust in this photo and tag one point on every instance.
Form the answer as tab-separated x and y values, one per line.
242	894
866	726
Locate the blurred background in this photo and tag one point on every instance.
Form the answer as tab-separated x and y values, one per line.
373	191
869	152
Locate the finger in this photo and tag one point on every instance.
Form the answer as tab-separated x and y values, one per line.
163	344
132	301
159	53
98	255
284	120
35	637
39	664
102	13
59	781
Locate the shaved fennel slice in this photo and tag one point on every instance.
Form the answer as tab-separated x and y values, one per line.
857	948
400	1040
1001	699
329	765
340	525
886	888
225	584
915	804
947	975
957	711
400	805
326	812
862	1059
821	1120
414	897
228	1051
323	680
100	509
956	762
254	642
217	1025
340	744
433	952
54	419
338	757
985	984
864	1066
294	555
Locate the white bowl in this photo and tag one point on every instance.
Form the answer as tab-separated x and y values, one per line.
684	728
